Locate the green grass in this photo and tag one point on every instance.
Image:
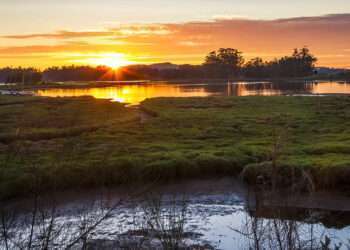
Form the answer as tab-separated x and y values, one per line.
83	142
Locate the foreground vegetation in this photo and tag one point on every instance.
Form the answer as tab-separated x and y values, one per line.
60	143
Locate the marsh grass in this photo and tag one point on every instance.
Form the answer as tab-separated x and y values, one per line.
84	142
166	221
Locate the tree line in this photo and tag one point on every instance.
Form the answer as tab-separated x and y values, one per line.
230	63
20	75
224	63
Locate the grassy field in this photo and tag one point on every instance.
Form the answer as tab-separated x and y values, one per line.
64	143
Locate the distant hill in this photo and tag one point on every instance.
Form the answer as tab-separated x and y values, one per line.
330	71
164	66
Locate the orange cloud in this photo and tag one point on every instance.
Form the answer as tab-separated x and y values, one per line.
62	35
327	36
124	30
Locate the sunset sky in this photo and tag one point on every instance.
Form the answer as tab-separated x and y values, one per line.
44	33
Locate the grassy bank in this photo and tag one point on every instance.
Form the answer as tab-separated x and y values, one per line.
82	142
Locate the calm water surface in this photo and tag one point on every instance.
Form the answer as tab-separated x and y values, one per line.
136	93
221	213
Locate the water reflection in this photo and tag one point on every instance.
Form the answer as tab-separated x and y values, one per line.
132	94
206	214
136	93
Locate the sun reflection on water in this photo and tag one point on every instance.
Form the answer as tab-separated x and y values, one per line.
131	94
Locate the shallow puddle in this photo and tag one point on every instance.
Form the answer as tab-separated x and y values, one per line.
207	214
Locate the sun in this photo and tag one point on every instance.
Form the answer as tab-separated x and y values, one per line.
113	60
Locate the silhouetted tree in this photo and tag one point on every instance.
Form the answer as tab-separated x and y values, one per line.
20	75
226	62
300	64
79	73
256	68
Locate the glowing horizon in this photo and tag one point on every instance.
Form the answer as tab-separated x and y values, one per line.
117	33
112	60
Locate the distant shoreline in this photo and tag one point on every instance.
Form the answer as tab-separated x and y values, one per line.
194	81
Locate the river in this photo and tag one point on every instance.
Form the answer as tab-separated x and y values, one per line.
136	93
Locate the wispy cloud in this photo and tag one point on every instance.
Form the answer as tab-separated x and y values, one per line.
327	36
62	35
123	30
229	17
